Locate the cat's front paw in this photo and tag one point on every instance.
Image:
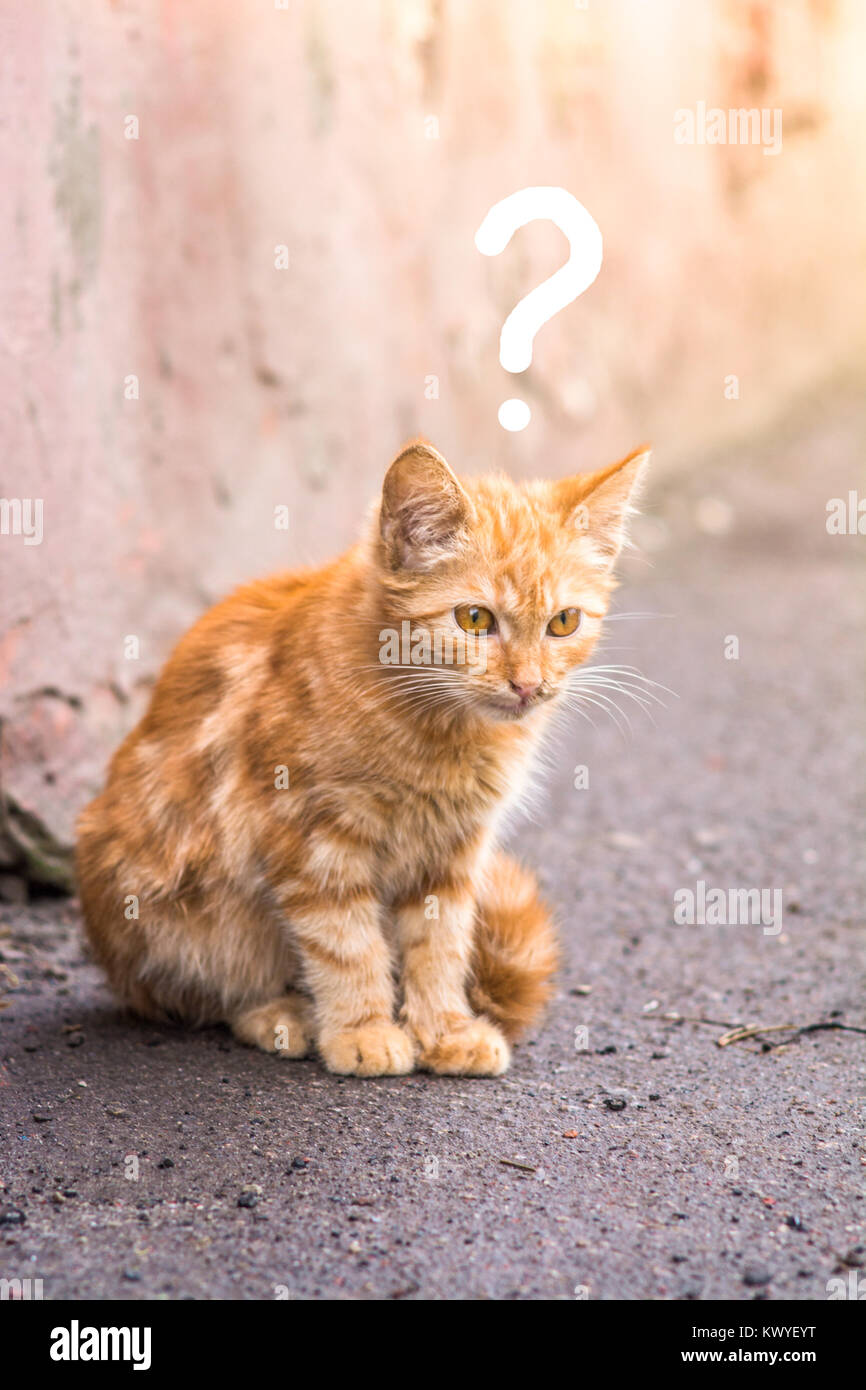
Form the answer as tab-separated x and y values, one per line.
375	1049
475	1048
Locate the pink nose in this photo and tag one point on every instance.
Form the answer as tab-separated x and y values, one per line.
526	692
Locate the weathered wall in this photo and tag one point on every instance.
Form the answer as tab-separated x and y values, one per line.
315	127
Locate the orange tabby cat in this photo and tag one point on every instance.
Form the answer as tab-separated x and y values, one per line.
298	839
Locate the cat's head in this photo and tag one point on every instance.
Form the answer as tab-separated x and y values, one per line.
495	591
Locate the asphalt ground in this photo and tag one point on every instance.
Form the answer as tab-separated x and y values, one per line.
626	1155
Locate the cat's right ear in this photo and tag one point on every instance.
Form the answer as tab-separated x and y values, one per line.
599	503
424	511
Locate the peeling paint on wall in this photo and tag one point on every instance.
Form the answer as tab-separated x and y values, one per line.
75	171
321	73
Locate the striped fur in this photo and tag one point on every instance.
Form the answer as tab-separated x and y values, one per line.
300	841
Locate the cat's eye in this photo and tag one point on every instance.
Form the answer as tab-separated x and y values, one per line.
565	623
473	618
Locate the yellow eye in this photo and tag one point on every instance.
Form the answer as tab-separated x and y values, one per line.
473	618
565	623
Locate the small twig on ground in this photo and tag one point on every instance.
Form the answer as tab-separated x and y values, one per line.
740	1032
11	982
756	1030
752	1031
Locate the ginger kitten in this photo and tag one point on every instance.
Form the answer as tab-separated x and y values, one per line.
299	838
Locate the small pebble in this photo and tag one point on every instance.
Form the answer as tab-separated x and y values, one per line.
755	1277
622	839
710	837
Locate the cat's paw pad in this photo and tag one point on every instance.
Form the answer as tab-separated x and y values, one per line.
475	1048
284	1027
374	1049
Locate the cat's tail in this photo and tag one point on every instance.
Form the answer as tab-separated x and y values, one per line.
516	952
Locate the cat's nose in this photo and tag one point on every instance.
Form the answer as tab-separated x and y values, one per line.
526	692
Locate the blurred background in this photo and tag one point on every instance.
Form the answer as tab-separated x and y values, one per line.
237	270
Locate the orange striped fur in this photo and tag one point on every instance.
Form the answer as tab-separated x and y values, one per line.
300	841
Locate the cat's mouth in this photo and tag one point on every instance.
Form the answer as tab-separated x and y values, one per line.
518	706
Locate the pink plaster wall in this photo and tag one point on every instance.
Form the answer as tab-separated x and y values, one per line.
309	127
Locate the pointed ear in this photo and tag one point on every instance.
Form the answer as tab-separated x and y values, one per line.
597	504
424	509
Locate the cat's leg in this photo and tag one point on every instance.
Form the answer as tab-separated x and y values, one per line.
346	964
436	936
283	1025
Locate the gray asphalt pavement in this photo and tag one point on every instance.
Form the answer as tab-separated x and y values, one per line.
636	1159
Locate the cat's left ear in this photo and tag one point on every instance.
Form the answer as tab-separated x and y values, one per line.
597	504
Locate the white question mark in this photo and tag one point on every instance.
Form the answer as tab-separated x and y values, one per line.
519	329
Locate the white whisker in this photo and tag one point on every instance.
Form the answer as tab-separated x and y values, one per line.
617	617
604	703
